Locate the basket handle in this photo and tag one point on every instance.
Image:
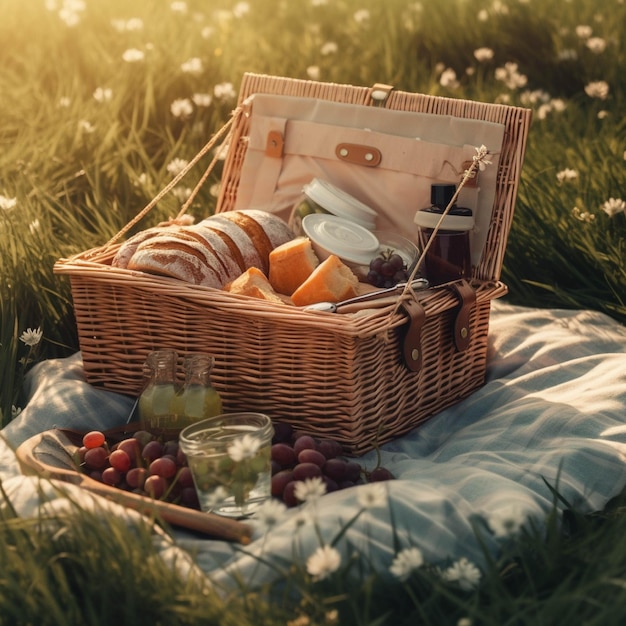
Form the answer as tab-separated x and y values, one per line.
203	151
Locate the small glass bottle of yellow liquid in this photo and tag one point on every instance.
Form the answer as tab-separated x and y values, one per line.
198	398
157	398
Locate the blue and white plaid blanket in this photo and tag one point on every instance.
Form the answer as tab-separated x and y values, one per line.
551	416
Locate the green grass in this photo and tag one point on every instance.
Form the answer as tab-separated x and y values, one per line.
79	169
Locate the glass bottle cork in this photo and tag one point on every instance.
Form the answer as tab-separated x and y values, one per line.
198	399
156	399
448	255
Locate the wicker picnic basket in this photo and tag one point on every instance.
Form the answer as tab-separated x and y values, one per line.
362	378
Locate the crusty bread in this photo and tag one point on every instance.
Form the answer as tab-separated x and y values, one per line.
330	281
176	257
254	283
127	249
213	252
291	264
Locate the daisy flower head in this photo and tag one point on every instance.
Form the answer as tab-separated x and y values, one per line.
193	66
215	497
372	495
6	204
181	108
323	562
270	512
202	99
481	157
176	166
566	174
448	79
31	337
313	72
483	54
244	448
613	206
103	94
507	521
597	89
310	489
463	572
597	45
224	91
405	562
133	55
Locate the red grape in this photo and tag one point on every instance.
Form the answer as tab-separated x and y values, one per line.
93	439
136	477
155	486
184	477
110	476
120	460
96	458
163	466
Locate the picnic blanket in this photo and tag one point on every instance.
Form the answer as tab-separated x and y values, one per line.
550	417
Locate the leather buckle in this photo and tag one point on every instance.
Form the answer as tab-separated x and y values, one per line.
412	340
462	334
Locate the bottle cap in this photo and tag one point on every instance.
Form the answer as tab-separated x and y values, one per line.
441	194
340	203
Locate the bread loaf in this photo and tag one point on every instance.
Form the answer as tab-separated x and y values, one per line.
213	252
176	257
330	281
291	264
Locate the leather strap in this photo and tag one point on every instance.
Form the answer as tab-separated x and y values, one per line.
358	154
467	302
412	342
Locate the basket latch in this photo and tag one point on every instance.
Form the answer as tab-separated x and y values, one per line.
380	93
412	344
467	301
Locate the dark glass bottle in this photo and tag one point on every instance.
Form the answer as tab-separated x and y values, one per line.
448	256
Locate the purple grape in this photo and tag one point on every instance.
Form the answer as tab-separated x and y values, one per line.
284	454
152	450
353	471
289	494
330	448
279	482
311	456
379	474
304	442
335	469
331	485
302	471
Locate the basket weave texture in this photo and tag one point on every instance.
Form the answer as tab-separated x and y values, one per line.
333	375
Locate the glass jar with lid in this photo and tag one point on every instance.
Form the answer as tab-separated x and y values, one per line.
320	196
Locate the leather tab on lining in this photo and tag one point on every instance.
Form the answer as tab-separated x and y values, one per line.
467	302
412	343
358	154
275	144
